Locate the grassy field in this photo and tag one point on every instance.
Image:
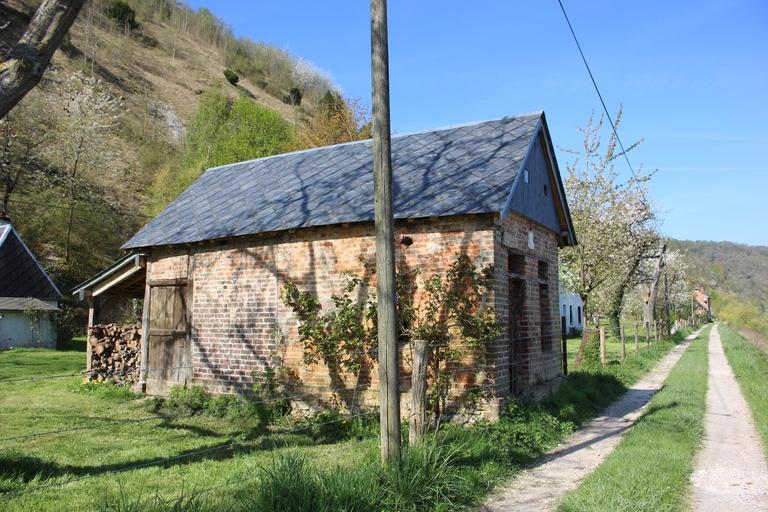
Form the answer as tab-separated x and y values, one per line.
105	433
650	468
613	344
750	366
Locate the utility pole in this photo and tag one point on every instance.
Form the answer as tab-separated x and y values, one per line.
389	392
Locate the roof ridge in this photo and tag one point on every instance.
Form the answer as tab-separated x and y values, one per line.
362	141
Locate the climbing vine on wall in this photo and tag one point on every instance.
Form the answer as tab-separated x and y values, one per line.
447	318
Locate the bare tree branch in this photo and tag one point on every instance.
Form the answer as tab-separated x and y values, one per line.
26	62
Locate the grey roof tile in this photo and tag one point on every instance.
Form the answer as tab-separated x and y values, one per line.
466	169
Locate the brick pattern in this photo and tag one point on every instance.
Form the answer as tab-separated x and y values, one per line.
237	316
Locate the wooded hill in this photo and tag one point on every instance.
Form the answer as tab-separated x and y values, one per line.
141	98
735	275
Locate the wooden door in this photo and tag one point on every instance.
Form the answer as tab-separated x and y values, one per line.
169	360
517	350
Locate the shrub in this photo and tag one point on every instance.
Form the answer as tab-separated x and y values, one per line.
120	12
326	426
231	76
191	399
293	97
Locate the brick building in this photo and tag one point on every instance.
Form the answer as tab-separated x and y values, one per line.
211	266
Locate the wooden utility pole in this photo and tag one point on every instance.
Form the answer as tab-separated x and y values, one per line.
389	393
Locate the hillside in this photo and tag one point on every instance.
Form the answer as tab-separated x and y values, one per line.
162	61
735	274
157	59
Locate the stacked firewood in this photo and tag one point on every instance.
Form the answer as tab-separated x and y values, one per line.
115	353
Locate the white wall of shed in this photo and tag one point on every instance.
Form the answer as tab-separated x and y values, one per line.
16	329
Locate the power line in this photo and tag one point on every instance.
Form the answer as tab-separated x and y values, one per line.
602	102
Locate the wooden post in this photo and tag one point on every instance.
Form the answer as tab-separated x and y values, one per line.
603	360
656	331
623	343
564	345
91	319
418	423
389	396
145	312
637	337
648	333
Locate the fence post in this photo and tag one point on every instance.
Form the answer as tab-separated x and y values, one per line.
637	337
656	331
623	344
602	346
648	333
564	345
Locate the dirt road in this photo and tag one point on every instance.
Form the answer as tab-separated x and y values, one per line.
731	472
544	484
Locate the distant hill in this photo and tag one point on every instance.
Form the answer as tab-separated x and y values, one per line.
735	274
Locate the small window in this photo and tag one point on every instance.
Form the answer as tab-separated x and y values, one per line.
525	175
543	270
545	190
516	263
578	309
570	314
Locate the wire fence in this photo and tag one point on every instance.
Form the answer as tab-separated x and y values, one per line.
362	406
230	444
307	396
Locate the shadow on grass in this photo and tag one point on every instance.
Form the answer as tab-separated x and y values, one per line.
17	469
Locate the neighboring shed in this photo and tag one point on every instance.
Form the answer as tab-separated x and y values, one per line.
571	311
28	296
218	256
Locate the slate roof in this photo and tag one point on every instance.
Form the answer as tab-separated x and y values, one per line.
462	170
20	273
25	303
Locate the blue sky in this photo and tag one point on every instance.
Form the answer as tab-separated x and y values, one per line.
692	77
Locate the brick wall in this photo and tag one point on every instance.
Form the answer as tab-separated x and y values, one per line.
528	365
237	315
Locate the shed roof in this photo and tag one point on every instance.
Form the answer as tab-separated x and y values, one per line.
25	304
20	273
467	169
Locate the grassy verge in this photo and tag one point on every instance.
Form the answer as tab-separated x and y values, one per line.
455	470
650	468
750	366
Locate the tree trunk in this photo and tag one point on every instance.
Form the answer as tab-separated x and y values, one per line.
649	306
617	303
25	63
418	424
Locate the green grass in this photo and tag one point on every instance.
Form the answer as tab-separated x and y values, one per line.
612	344
750	366
22	363
650	468
458	468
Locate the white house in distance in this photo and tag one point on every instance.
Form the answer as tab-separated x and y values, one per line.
28	297
571	311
